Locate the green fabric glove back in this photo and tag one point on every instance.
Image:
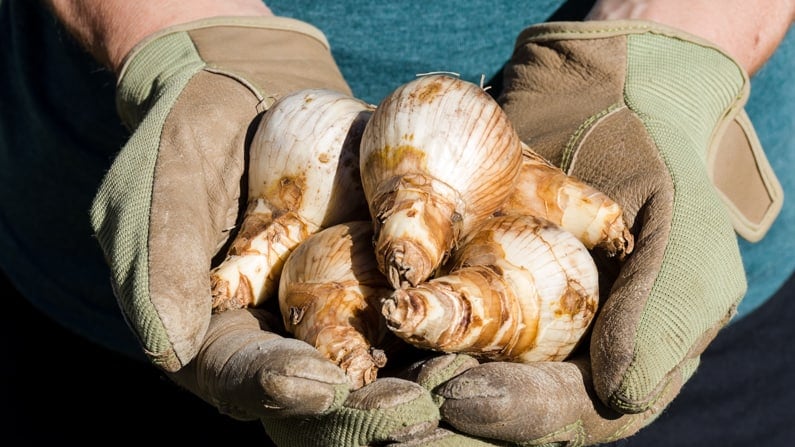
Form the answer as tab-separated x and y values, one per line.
636	110
191	95
701	260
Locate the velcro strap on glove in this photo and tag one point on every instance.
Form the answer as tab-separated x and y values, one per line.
744	179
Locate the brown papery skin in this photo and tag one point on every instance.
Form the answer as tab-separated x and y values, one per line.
453	147
329	296
492	305
303	175
544	190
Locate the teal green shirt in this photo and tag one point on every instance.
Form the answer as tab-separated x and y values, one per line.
59	131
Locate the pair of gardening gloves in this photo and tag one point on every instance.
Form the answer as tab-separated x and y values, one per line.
646	114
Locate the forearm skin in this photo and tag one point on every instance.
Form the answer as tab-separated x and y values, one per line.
748	30
109	29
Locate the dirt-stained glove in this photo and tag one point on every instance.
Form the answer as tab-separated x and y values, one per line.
636	110
285	383
389	410
192	95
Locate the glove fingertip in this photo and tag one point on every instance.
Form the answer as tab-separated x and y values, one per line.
291	395
437	370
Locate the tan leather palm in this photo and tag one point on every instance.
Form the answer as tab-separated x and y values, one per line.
191	95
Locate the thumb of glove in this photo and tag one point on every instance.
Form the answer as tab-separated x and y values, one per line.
544	403
248	372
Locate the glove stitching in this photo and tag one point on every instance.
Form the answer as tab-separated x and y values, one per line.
569	151
619	402
576	428
622	431
260	23
648	417
263	102
587	33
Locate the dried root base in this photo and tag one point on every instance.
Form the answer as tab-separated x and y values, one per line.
416	226
329	296
347	348
251	277
518	289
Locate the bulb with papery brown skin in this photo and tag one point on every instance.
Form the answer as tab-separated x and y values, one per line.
518	289
330	292
544	190
437	156
303	175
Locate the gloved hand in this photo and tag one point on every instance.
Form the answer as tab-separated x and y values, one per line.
636	110
191	96
247	371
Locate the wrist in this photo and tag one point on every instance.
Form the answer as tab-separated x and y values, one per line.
109	29
749	31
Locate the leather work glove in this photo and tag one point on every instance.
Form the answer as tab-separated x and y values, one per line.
652	117
191	95
272	376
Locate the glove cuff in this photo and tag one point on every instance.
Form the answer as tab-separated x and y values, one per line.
596	29
296	53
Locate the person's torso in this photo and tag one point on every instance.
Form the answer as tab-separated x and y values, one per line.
59	131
